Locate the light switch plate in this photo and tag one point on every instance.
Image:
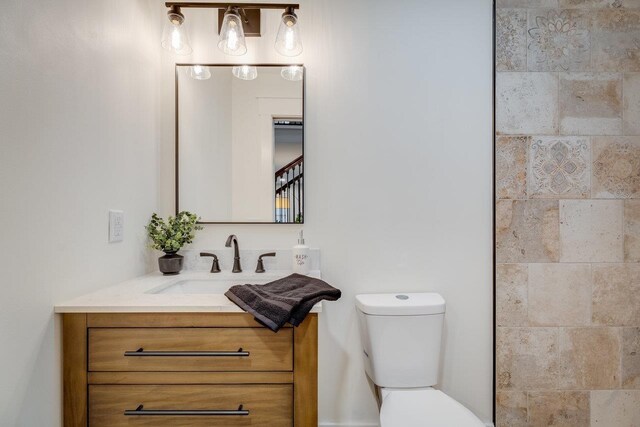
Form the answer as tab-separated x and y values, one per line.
116	226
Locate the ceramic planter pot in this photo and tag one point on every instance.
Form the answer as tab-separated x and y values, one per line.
170	263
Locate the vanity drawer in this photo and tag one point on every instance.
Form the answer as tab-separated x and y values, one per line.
262	405
190	349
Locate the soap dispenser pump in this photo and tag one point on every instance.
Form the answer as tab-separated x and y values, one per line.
301	260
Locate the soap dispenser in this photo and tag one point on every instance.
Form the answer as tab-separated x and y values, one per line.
301	260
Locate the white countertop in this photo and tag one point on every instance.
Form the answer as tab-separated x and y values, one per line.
137	295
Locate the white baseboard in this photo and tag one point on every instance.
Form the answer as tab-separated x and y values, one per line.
488	424
347	425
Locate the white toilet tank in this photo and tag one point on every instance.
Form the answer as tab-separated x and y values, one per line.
401	338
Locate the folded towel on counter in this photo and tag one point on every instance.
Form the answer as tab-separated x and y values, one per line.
289	299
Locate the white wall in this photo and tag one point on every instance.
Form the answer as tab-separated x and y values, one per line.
398	107
79	115
205	144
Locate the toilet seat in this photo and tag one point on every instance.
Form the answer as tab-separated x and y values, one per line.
425	407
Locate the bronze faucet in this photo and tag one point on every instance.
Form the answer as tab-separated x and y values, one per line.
260	266
215	266
236	253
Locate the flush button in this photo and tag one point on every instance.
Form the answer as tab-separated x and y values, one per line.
402	297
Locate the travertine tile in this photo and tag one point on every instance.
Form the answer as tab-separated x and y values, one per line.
511	166
616	167
591	230
616	408
631	358
511	294
558	408
511	40
559	166
600	3
558	40
632	230
631	104
527	358
591	104
527	3
614	40
616	294
559	294
590	358
526	103
511	409
527	231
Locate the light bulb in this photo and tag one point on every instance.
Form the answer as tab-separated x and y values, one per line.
176	39
232	37
293	73
232	33
245	72
288	40
174	36
199	72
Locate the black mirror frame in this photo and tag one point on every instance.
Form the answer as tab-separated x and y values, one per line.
177	139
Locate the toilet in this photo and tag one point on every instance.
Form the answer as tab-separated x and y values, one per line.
401	341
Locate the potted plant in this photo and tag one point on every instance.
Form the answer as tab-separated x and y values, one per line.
171	235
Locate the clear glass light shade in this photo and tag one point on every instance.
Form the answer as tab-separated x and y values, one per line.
199	72
293	73
245	72
175	38
232	35
288	40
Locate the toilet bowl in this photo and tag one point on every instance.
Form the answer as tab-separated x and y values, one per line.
426	407
401	341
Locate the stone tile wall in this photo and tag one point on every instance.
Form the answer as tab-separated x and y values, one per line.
568	213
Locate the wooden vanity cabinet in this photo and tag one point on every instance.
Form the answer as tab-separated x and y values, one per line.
188	369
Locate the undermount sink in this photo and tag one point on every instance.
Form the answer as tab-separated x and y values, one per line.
205	286
194	287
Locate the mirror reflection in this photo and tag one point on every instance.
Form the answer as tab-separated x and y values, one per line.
240	143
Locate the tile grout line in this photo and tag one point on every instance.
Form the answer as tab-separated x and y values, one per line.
528	293
557	357
623	236
623	131
621	347
591	323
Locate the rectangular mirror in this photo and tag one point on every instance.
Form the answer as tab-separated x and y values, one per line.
240	142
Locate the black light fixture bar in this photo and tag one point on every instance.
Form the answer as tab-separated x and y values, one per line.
226	5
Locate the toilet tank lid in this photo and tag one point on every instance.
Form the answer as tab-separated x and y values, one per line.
400	304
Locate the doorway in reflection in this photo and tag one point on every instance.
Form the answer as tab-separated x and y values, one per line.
288	162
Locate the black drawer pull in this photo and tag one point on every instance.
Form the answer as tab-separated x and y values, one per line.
142	353
187	412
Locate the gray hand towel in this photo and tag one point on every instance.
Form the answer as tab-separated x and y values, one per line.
289	299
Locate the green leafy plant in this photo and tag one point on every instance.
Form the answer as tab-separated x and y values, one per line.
174	233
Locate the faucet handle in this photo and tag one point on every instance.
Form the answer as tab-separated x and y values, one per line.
260	266
215	266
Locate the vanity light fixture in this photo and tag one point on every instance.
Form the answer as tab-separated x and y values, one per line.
288	40
292	73
232	33
199	72
245	72
235	22
174	35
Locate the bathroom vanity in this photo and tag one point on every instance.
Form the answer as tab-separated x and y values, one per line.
167	351
173	350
